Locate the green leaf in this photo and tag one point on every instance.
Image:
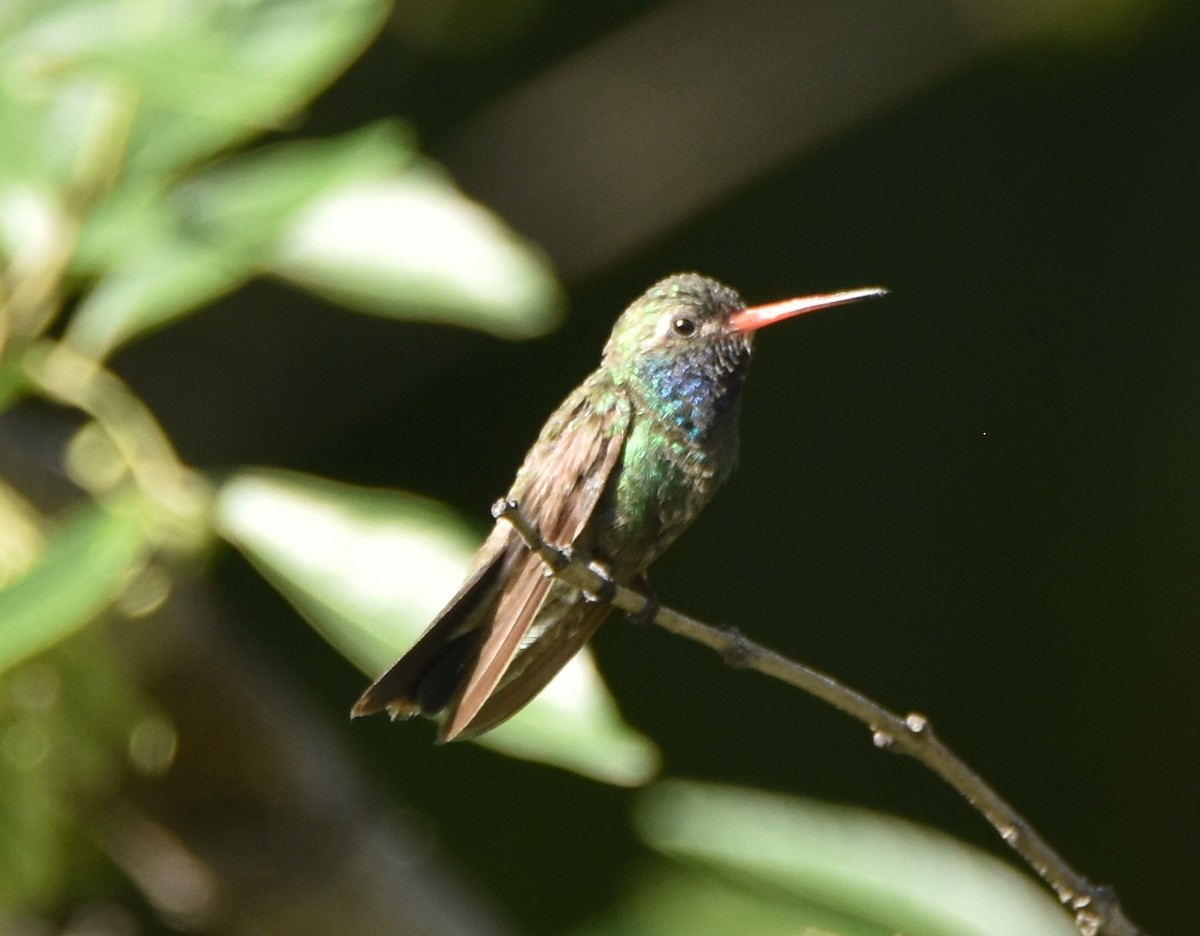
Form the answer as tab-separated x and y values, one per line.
135	219
369	569
21	539
104	93
21	162
34	228
252	197
159	286
83	567
162	255
207	75
164	85
68	719
13	382
888	874
674	900
411	245
305	210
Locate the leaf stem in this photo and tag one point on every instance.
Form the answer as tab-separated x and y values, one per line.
72	379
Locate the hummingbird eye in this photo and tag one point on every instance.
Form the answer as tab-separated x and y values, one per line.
683	326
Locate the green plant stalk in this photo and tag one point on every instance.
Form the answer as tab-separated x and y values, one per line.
74	380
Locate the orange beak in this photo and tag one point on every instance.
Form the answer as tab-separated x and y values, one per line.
754	318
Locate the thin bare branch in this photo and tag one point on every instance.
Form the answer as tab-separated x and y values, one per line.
1095	907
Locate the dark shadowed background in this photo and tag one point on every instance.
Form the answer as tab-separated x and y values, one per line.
976	498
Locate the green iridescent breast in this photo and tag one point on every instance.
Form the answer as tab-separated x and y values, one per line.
664	480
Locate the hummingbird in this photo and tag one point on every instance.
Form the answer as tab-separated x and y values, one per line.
619	470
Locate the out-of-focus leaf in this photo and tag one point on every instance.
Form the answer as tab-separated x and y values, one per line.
81	570
370	568
134	219
1077	21
21	536
670	900
465	29
253	196
35	234
32	226
889	874
413	246
158	286
161	255
21	162
68	719
73	123
102	89
13	383
203	74
258	63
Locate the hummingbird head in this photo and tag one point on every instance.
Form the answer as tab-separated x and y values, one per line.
691	316
675	349
685	316
685	345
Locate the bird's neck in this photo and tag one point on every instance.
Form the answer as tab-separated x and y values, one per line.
698	396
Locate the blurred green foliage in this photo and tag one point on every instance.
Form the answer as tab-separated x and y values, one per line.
152	163
125	205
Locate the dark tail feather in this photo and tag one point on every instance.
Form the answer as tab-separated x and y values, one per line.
424	680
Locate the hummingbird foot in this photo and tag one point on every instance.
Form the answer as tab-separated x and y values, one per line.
650	607
607	589
556	558
505	507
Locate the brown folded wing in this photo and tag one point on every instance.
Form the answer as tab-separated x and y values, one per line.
558	488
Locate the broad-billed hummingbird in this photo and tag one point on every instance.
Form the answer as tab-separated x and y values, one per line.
619	471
